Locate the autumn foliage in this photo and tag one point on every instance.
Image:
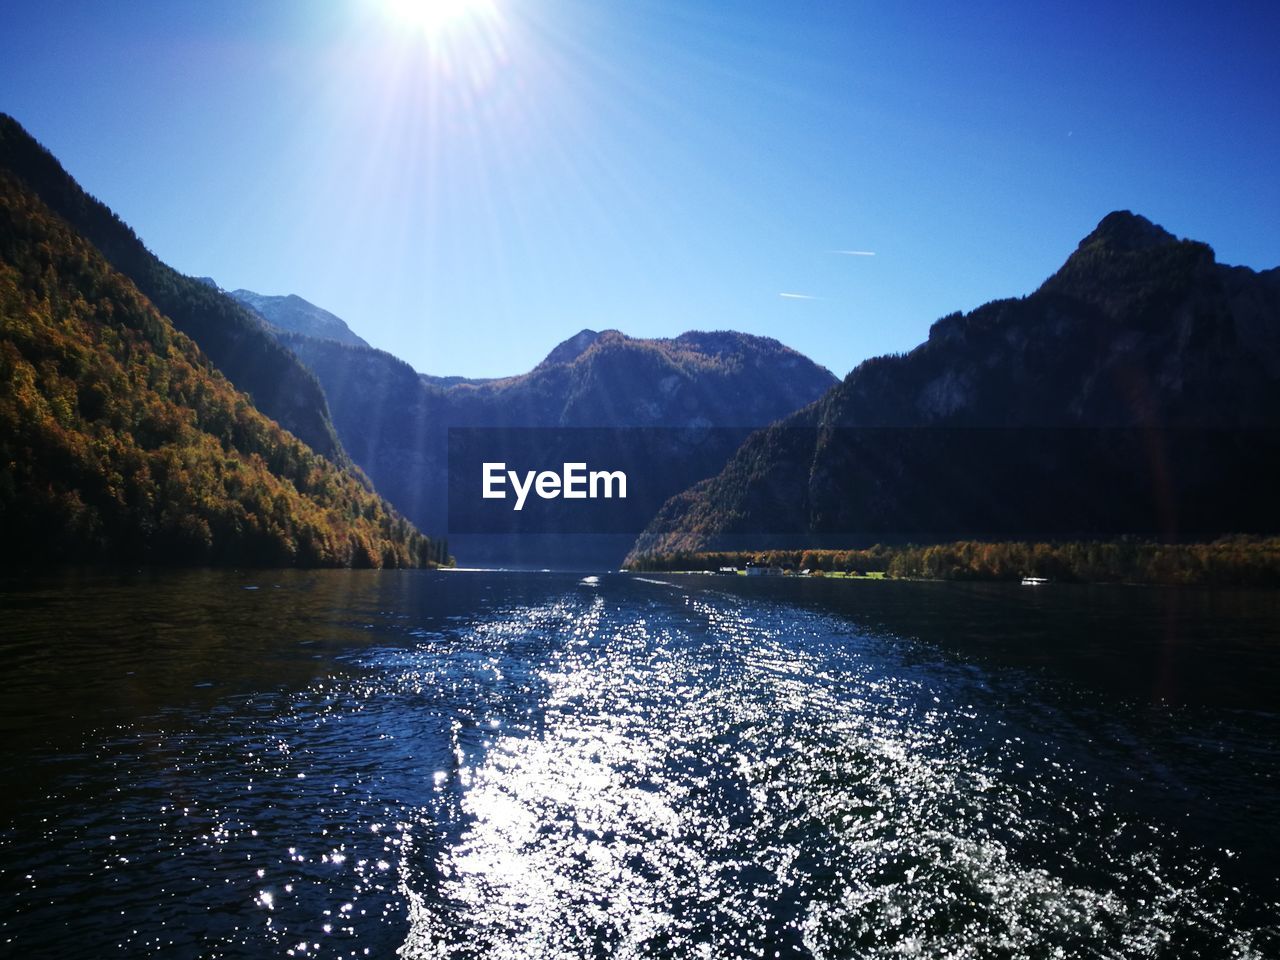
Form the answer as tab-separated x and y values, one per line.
119	441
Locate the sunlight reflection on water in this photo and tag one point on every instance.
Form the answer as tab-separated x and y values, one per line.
743	783
621	768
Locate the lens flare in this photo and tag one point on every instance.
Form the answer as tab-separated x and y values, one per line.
433	18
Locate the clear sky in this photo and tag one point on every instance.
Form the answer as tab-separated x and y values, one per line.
468	182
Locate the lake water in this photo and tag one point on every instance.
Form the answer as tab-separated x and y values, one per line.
466	764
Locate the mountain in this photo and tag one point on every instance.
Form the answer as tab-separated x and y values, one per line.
120	442
601	397
1137	391
229	334
716	379
571	349
295	315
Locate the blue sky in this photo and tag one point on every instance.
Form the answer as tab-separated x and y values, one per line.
469	196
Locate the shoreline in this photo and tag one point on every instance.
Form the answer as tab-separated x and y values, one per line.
1232	561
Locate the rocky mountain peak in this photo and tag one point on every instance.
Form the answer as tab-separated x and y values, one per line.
1124	231
569	350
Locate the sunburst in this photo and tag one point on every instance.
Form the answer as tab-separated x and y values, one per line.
433	19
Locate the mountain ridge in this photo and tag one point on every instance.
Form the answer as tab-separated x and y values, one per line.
297	315
395	421
1137	331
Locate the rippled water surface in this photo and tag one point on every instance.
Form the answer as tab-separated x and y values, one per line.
545	765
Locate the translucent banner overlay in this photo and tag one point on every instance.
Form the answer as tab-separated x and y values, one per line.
891	483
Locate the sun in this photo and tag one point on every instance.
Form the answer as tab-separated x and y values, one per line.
433	18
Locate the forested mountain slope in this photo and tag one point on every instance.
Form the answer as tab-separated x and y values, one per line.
120	442
1136	392
232	337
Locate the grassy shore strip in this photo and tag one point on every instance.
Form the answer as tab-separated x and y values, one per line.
1228	561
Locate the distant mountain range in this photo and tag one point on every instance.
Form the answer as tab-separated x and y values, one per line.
395	422
162	494
1136	392
121	442
292	314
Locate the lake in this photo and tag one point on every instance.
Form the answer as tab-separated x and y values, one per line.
515	765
